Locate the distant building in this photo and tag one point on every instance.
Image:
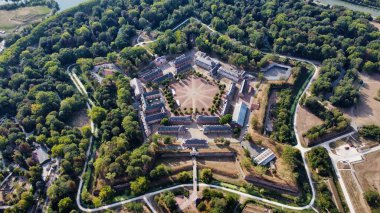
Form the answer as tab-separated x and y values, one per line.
160	60
137	87
265	157
244	88
204	61
216	129
232	74
203	119
240	114
182	63
231	91
193	142
170	130
176	120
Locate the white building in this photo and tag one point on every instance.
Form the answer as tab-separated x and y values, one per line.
240	114
265	157
137	86
160	60
232	74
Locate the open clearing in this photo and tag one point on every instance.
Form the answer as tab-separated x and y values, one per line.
79	119
377	25
306	120
11	19
226	165
367	111
368	173
252	208
175	164
262	98
195	93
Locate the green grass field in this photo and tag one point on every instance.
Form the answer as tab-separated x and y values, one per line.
10	20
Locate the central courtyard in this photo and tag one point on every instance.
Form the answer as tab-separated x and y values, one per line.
195	92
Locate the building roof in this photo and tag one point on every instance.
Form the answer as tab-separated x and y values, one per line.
233	72
231	90
210	119
180	118
154	117
265	157
240	113
206	61
177	128
216	128
154	92
160	58
181	59
136	85
244	86
195	142
183	68
154	106
226	107
152	74
164	77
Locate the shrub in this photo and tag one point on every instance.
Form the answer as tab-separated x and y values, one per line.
373	198
206	175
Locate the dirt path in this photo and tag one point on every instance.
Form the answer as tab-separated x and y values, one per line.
377	25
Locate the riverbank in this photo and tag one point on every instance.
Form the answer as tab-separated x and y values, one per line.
374	12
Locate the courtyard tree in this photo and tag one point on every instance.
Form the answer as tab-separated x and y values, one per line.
165	122
225	119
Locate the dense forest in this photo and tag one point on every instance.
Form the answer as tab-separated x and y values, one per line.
35	88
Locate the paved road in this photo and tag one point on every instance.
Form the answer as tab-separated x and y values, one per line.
149	204
299	145
195	180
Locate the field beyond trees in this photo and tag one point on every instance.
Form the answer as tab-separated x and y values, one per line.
13	19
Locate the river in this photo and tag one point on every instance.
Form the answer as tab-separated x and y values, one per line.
65	4
372	11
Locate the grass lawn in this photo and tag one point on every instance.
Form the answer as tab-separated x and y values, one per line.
11	19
